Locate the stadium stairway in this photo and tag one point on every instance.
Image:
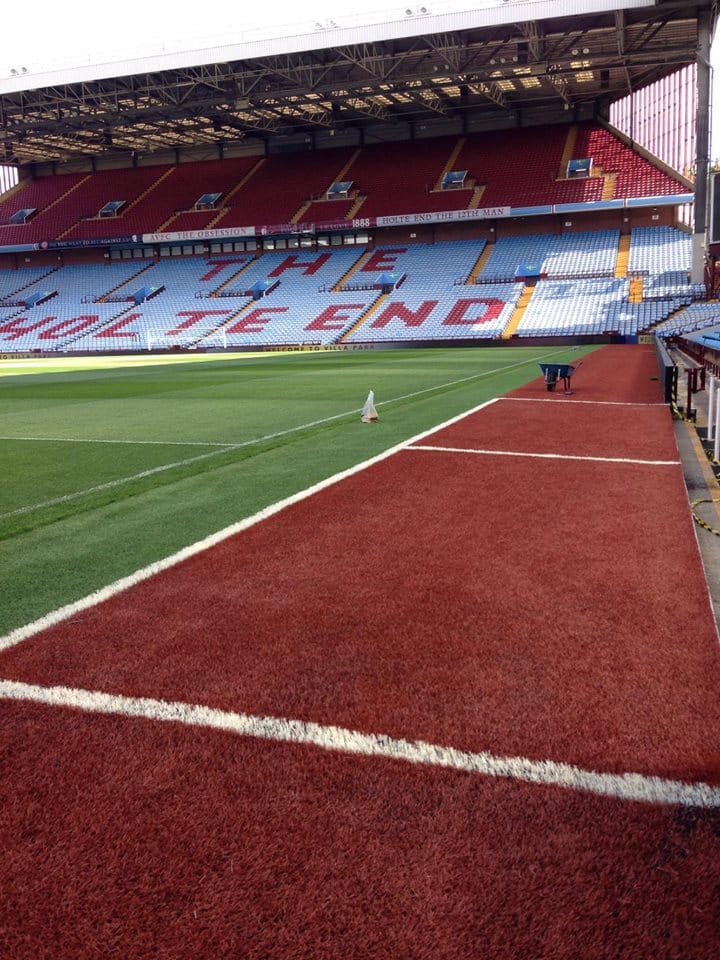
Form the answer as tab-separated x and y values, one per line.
61	199
568	152
224	323
609	185
349	274
476	197
99	327
449	163
340	176
118	286
635	294
373	308
236	189
126	209
147	191
229	282
517	314
13	316
301	211
353	211
166	223
623	256
480	264
343	172
217	218
32	282
337	178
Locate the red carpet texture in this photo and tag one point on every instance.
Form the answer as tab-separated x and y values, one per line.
132	839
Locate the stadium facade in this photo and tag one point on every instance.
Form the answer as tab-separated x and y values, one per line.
600	109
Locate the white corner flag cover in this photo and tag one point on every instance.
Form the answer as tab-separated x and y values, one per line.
369	413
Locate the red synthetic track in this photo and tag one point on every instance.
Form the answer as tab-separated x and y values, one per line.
140	840
613	374
525	607
571	428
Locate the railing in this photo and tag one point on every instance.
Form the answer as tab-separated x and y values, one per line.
348	287
582	275
225	293
668	373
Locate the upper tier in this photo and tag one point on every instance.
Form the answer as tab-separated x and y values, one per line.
509	168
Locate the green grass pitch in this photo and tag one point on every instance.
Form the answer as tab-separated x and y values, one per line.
110	463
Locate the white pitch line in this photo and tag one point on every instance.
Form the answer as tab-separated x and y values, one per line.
474	376
66	498
111	484
30	508
158	443
627	786
546	456
594	403
118	586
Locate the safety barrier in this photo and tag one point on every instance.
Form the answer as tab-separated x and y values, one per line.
668	372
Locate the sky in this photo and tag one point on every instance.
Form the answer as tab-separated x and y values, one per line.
85	32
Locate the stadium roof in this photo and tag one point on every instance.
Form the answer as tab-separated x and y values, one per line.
420	65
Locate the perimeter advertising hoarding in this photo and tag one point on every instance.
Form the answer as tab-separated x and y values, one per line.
359	223
94	242
188	236
443	216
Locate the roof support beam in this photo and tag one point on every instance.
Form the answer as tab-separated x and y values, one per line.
620	30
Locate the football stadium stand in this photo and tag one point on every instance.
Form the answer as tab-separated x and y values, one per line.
694	317
392	179
533	286
569	281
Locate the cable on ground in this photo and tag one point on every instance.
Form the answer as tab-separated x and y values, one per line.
699	521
